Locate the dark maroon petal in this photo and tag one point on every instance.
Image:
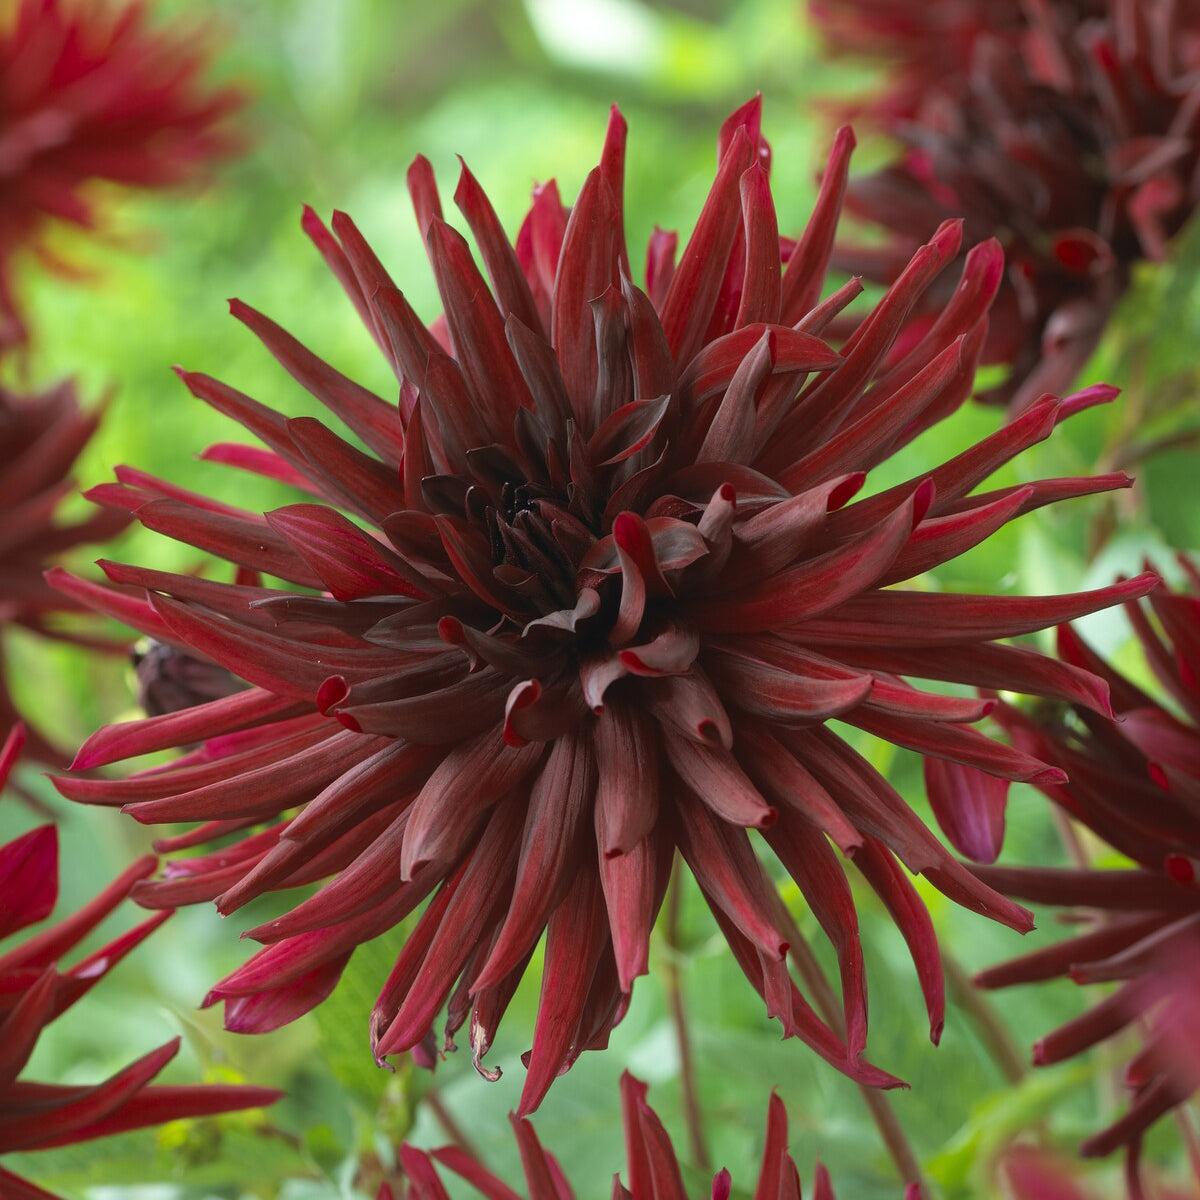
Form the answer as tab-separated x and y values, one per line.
21	1025
650	1161
631	894
589	268
351	564
575	936
48	945
28	879
821	584
778	535
715	777
804	279
807	857
894	617
513	297
474	910
782	777
1062	957
969	806
130	609
761	294
721	855
467	781
627	793
31	1128
558	801
362	411
159	1104
476	330
787	695
483	1181
364	484
907	909
697	280
958	744
272	1008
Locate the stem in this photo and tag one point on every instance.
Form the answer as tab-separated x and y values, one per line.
452	1129
693	1113
878	1104
1001	1044
1191	1141
1069	835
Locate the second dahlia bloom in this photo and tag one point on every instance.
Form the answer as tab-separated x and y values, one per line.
587	599
921	46
91	91
35	989
651	1168
41	436
1068	129
1136	785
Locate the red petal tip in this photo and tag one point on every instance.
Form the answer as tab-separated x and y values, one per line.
1050	777
1180	868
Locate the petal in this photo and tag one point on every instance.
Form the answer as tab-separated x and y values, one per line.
969	806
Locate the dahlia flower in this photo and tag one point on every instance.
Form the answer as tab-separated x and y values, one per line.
920	45
1135	784
1069	131
34	991
92	92
586	599
650	1163
40	438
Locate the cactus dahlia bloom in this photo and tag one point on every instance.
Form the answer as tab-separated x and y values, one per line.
40	438
920	45
35	989
586	599
1136	785
1074	138
91	92
651	1168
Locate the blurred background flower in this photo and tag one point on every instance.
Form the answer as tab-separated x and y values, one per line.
1067	128
34	991
94	94
1135	784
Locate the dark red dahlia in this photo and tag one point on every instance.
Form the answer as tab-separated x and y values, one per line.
91	91
1136	785
35	989
1070	130
651	1168
587	599
40	438
920	45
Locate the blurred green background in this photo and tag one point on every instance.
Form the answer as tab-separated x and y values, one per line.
345	93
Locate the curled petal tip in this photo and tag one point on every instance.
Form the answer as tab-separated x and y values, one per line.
1050	777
